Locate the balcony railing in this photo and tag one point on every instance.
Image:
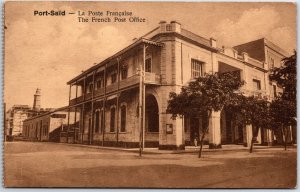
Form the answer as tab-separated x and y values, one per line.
152	78
255	62
79	99
133	80
99	91
258	93
112	87
88	96
72	101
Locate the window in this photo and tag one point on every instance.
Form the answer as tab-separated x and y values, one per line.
148	65
41	127
274	91
123	118
272	62
113	78
256	84
99	83
197	68
124	72
112	119
89	88
97	126
102	120
37	127
168	27
45	129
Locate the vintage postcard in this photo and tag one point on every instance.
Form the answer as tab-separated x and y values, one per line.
149	95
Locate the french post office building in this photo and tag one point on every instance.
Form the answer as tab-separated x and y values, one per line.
122	100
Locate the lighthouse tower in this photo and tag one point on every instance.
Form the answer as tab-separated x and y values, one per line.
37	100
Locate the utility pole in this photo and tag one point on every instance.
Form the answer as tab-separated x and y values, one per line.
142	89
141	85
144	95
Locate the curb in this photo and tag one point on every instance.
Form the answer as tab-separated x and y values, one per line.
156	151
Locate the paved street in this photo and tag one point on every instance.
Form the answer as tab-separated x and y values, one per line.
59	165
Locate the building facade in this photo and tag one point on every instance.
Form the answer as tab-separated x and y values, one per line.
47	126
15	117
122	100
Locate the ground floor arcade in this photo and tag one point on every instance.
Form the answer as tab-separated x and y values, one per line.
113	120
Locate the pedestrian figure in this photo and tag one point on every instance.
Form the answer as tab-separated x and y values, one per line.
196	140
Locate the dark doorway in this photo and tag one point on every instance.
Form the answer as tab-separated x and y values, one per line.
90	129
229	130
152	114
194	125
241	134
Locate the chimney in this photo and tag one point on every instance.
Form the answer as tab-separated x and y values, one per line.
162	25
37	100
213	42
176	26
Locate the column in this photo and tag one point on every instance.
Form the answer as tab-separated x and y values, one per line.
118	95
249	135
215	130
259	138
179	133
290	135
269	137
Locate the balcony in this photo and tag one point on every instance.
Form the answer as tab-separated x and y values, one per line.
99	91
79	99
72	101
257	93
88	96
152	78
133	80
112	87
255	62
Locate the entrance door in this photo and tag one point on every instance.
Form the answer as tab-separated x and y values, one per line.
194	125
152	114
229	130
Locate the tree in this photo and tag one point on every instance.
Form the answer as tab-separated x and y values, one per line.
252	110
203	95
286	77
283	108
283	116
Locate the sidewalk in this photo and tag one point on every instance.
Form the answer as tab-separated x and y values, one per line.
188	149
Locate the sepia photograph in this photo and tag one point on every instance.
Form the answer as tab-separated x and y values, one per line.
150	95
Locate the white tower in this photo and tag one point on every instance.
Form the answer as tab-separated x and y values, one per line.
37	100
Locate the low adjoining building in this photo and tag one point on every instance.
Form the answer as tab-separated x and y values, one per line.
47	126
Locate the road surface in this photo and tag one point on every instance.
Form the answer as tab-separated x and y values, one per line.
33	164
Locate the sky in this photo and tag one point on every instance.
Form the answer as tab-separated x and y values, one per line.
47	51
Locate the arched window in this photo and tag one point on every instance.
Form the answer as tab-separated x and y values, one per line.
101	120
97	126
112	119
123	118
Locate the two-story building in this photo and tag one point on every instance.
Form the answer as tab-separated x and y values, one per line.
118	107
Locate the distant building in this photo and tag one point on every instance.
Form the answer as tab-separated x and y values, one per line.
15	117
18	113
